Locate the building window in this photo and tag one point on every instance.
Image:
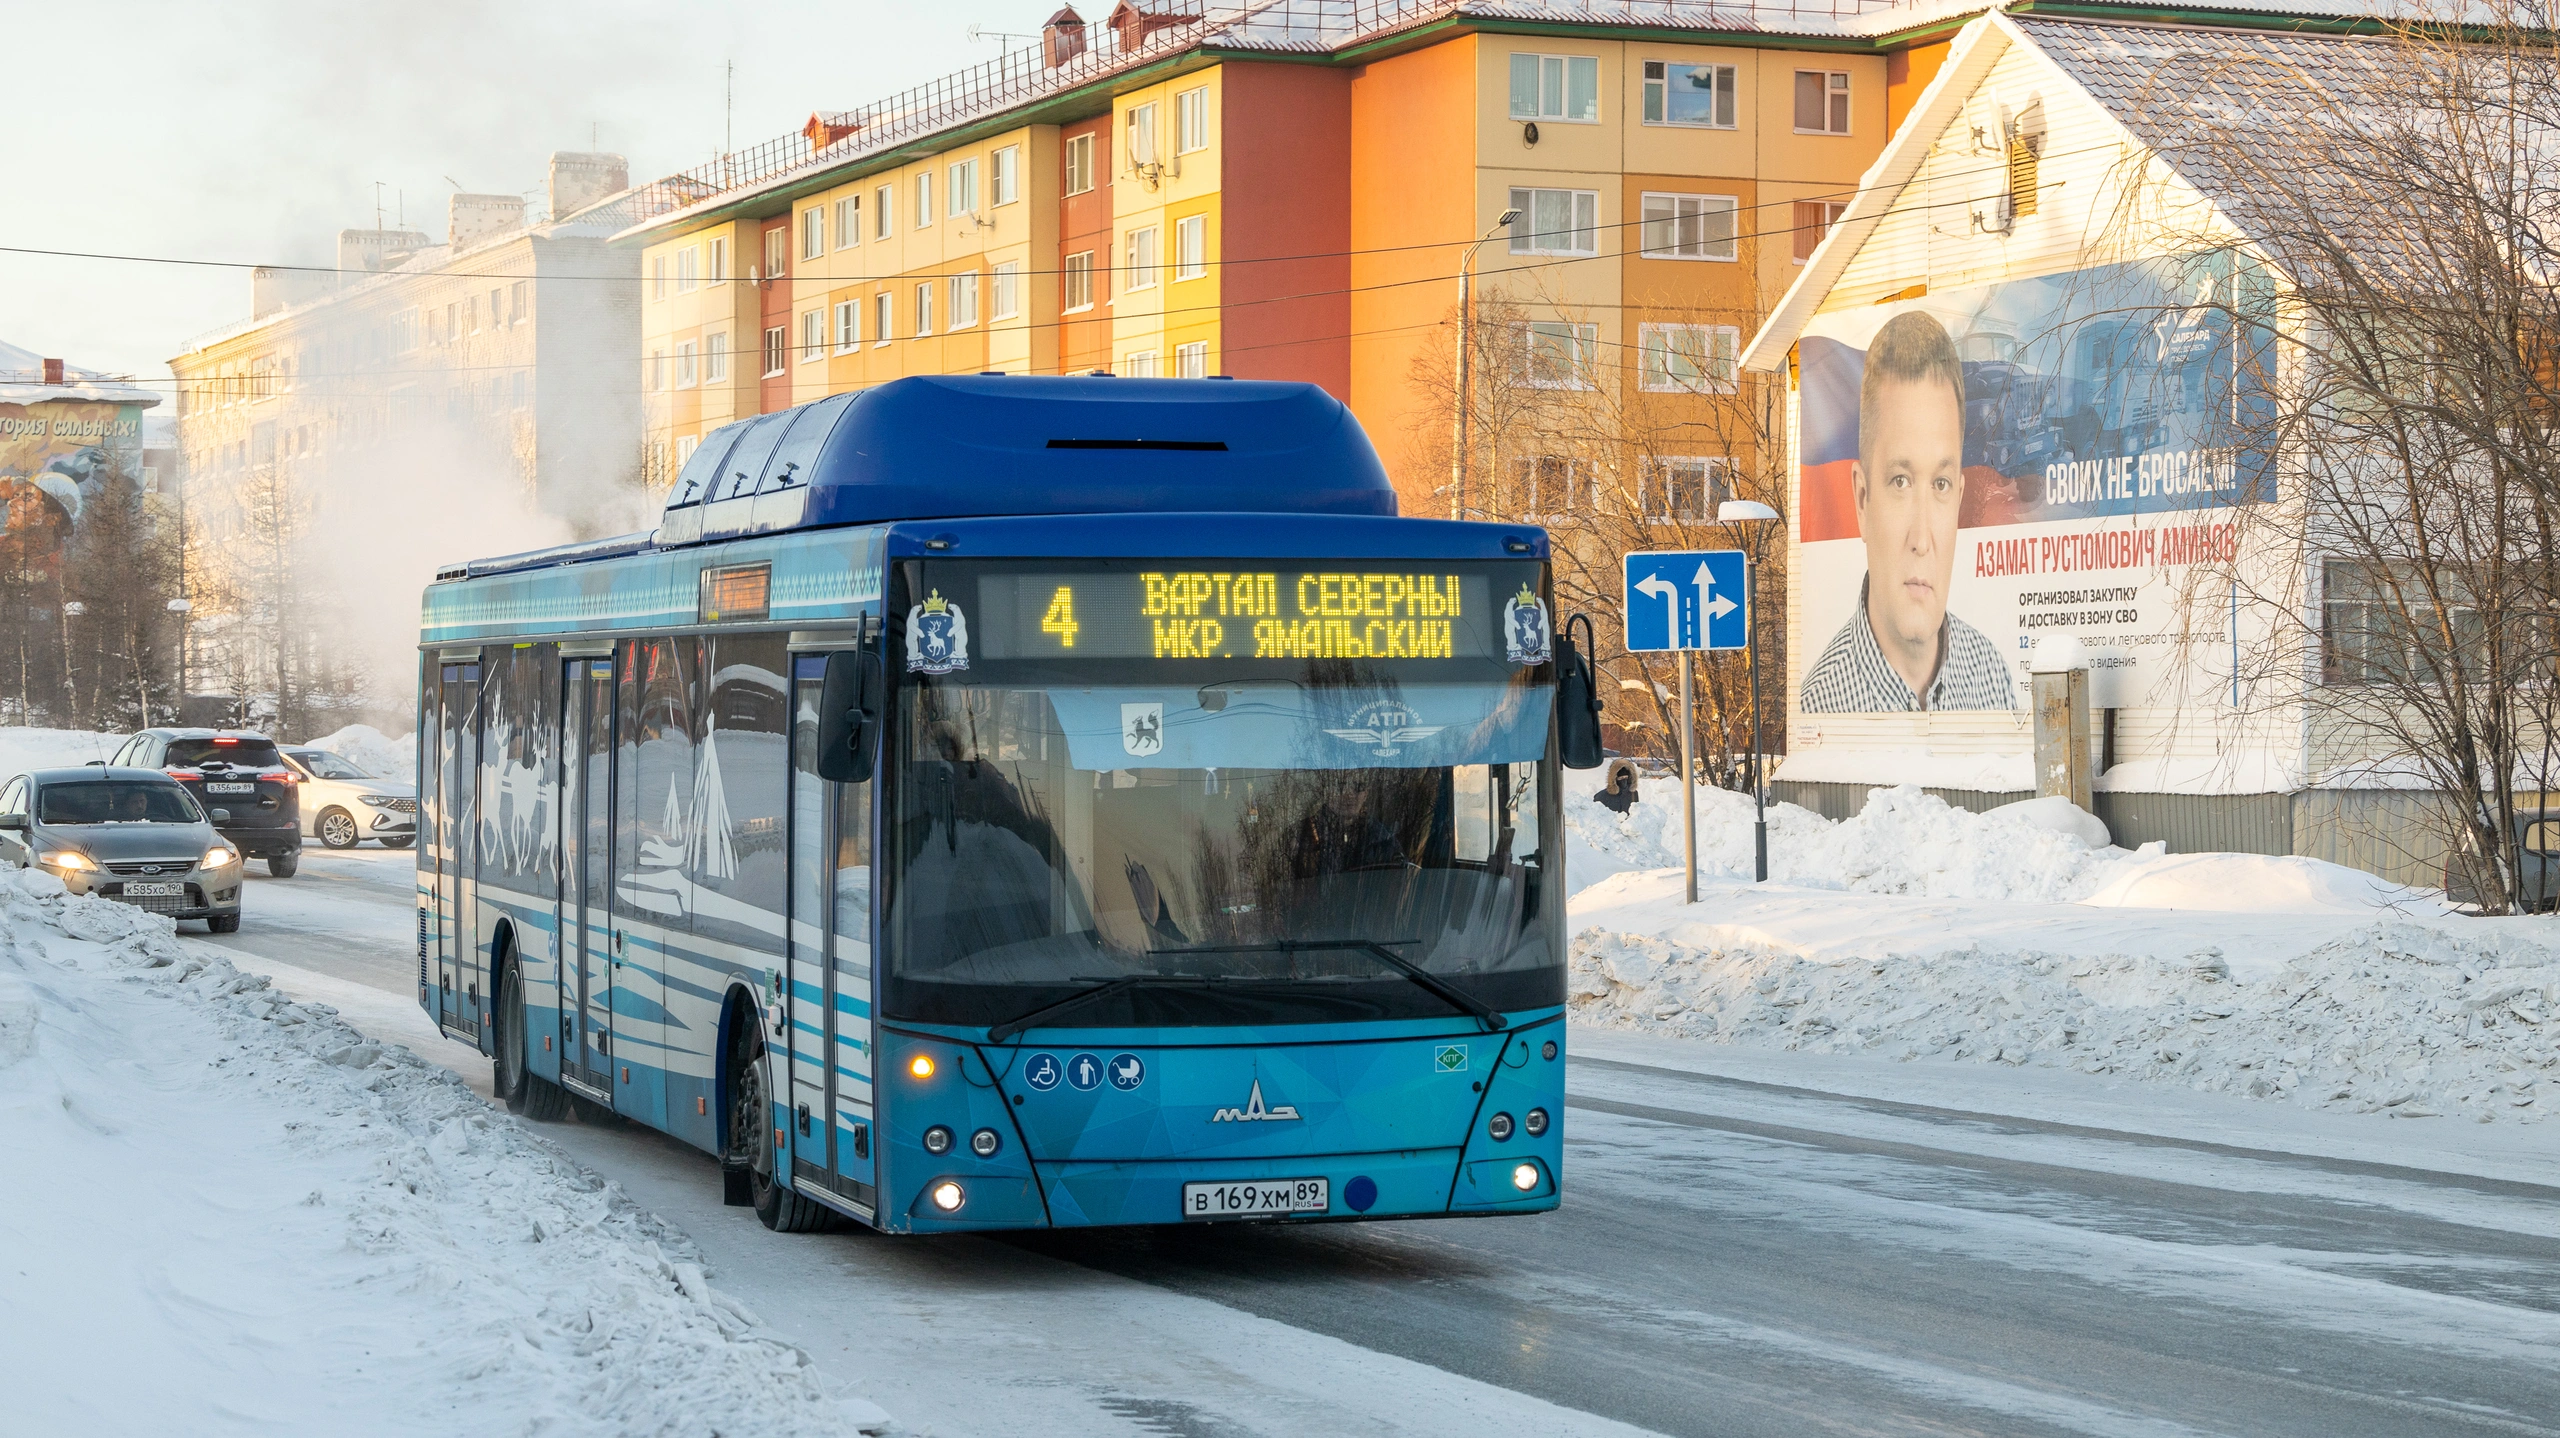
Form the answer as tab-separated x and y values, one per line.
1004	176
685	448
1191	120
688	267
777	347
848	222
813	232
924	309
964	188
1142	138
1813	220
1697	359
777	248
883	307
1078	278
519	302
964	301
1680	489
880	209
2377	623
471	315
1191	247
1556	87
1138	364
1553	486
657	277
715	357
686	357
1696	95
1689	227
1079	164
1008	291
655	375
720	259
1191	361
1822	102
1560	222
813	336
848	325
924	200
1143	259
1558	355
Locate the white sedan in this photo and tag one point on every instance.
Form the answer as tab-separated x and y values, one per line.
342	806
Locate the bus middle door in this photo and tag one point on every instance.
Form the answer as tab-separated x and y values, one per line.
586	868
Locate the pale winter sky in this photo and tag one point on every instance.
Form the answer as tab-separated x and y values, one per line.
253	130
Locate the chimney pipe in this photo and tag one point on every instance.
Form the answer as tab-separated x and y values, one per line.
53	371
1062	39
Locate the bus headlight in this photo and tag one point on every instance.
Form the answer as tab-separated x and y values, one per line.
1535	1123
921	1066
1525	1177
1499	1129
937	1140
947	1196
985	1142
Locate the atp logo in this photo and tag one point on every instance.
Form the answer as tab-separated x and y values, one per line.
1388	726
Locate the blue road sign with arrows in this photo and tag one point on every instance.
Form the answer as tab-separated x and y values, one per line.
1687	599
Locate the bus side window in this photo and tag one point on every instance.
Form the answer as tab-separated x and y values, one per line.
1471	796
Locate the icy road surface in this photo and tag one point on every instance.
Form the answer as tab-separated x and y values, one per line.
1736	1256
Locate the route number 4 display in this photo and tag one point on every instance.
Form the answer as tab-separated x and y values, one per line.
1687	599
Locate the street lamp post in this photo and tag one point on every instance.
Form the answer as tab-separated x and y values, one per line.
1458	456
1753	512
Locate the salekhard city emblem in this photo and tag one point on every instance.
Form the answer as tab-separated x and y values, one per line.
1254	1111
937	636
1527	638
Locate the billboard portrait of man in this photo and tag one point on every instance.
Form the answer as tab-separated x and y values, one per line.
1901	650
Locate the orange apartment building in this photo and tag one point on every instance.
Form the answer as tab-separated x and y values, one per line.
1285	190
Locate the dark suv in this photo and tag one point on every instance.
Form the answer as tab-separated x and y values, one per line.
241	781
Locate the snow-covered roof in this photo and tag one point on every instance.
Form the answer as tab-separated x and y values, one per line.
1296	28
22	382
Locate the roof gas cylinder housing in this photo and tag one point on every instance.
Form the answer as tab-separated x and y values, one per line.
952	447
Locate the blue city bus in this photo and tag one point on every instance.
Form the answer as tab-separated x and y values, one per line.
1004	802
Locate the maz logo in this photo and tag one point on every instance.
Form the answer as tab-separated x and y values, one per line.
1254	1112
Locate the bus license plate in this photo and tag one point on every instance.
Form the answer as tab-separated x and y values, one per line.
1256	1198
231	788
154	891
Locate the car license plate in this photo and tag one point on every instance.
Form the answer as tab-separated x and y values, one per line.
1256	1198
231	788
154	891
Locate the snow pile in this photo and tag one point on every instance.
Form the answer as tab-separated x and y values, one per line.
372	751
2395	1017
25	749
1912	843
223	1202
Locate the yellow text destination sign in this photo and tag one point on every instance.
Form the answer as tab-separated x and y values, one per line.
1236	613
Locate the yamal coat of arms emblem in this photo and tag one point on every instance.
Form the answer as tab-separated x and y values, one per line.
1527	636
937	636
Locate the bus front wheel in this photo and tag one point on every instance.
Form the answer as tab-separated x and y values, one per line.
511	1070
755	1145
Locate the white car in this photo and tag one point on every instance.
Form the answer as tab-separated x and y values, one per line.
342	806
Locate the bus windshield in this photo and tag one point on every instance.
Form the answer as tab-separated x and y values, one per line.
1220	814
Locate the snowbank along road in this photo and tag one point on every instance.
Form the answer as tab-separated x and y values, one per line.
1754	1242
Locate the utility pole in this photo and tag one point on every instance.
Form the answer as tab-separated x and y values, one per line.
1466	326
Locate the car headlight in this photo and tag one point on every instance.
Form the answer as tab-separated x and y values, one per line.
218	856
379	801
69	859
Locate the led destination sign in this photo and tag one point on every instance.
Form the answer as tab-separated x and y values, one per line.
1203	613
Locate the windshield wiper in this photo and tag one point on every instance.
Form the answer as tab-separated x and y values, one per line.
1447	992
1102	988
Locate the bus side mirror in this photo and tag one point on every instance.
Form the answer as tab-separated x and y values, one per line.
1577	699
849	715
14	821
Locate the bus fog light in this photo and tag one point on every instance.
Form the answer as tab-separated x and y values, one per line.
985	1142
1535	1123
948	1197
1499	1127
1525	1177
937	1140
921	1066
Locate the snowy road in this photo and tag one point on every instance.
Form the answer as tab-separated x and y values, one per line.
1734	1258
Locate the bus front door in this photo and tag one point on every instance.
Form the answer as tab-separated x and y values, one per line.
829	993
586	854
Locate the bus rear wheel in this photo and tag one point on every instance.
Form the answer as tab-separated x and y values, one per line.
511	1069
755	1146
